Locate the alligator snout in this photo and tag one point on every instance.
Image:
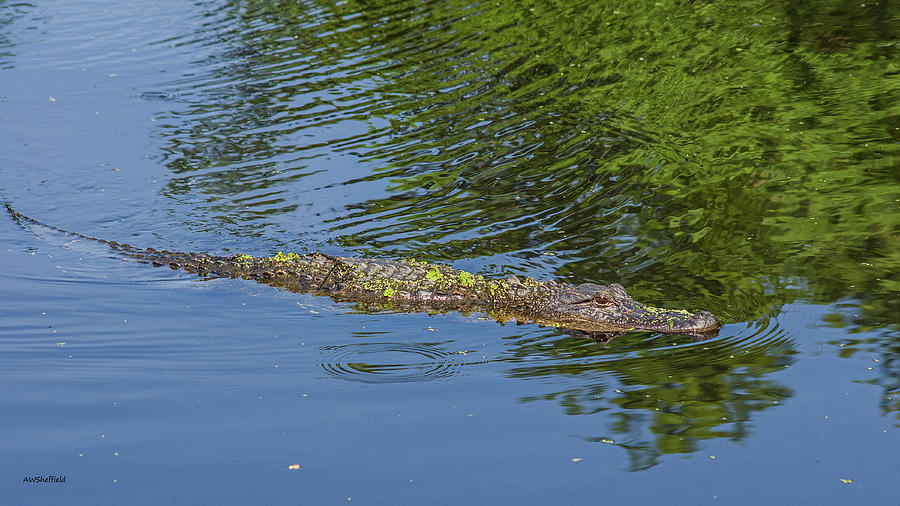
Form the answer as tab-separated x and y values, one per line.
704	321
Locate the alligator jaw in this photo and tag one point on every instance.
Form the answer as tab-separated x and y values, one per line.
666	321
591	308
682	322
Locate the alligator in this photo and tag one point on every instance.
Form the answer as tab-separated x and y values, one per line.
584	310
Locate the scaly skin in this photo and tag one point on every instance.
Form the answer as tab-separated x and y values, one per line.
411	285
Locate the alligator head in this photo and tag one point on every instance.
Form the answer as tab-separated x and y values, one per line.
591	308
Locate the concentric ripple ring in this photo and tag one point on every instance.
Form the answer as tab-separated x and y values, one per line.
390	362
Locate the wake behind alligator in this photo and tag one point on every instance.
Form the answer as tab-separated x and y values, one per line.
411	285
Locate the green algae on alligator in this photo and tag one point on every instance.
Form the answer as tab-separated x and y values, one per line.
412	285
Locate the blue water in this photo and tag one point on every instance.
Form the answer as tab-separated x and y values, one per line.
140	122
145	386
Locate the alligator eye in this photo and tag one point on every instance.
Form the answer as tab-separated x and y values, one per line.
600	300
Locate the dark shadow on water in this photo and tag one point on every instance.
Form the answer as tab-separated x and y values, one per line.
654	395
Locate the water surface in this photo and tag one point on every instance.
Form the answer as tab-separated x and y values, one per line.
740	159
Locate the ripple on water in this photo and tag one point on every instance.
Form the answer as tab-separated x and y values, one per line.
763	345
644	358
391	362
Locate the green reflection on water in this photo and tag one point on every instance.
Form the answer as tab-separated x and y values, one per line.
745	155
661	395
706	155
